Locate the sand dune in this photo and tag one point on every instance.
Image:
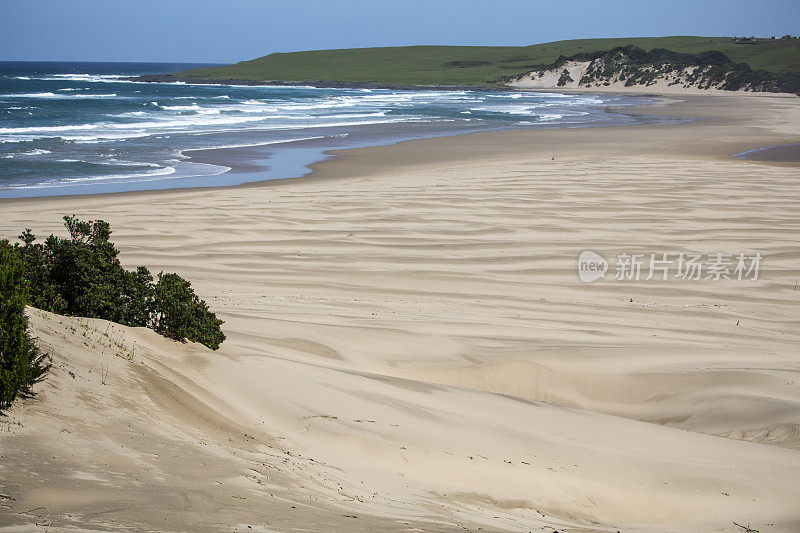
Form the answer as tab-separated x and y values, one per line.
674	83
409	345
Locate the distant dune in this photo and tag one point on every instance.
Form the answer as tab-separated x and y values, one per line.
631	68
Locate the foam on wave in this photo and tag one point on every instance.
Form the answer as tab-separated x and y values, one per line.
158	117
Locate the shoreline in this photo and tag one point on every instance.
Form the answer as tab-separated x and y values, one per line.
232	159
781	153
285	152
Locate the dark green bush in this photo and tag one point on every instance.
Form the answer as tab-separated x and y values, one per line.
82	276
179	314
21	364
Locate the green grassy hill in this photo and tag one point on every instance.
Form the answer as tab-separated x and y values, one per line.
477	65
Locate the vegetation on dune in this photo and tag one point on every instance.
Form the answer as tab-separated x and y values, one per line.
565	78
636	66
178	313
22	365
481	65
82	276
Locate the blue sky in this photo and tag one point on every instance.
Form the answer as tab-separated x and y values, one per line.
233	30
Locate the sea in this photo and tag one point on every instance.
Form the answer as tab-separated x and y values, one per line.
82	128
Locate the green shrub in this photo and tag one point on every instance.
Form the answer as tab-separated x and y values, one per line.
178	313
21	363
79	276
82	276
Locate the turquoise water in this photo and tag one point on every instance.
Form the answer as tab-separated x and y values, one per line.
76	128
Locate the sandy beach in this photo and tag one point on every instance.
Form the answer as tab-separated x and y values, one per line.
410	347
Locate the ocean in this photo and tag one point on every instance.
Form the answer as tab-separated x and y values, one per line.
80	128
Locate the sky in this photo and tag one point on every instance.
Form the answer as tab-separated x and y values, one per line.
225	31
